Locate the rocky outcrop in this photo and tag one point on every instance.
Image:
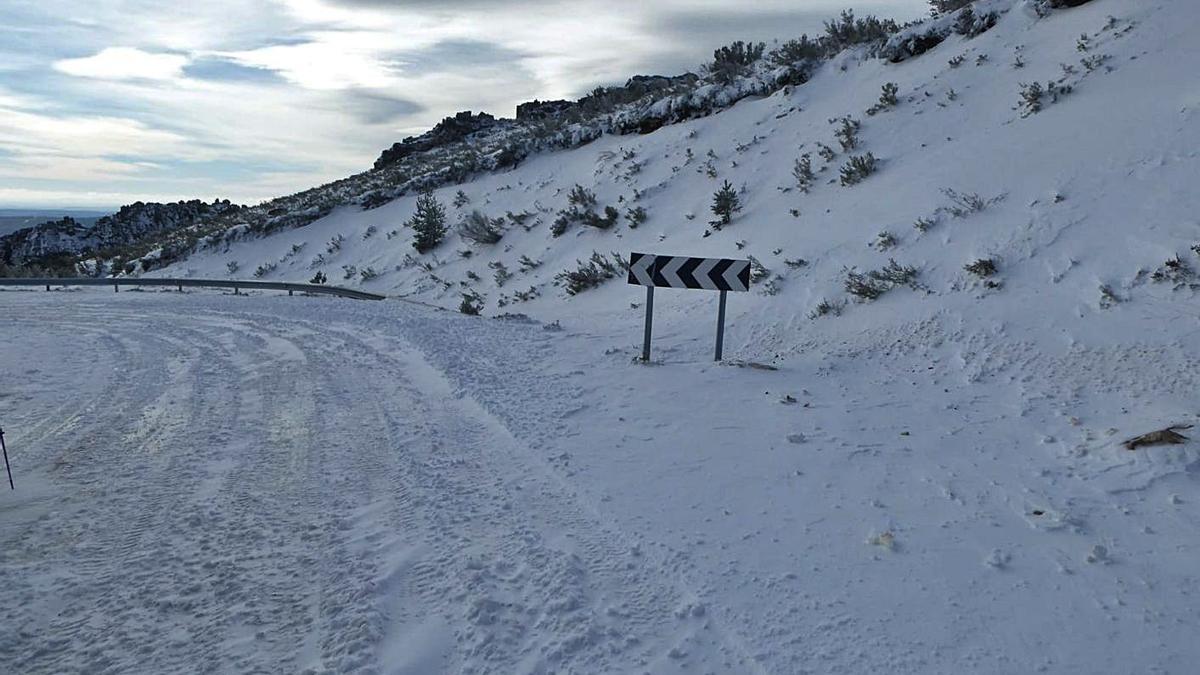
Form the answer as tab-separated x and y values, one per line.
540	110
57	239
449	130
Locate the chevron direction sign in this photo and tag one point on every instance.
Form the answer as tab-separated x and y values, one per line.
675	271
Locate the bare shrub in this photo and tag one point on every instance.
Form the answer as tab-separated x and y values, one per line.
481	229
527	264
827	308
588	274
592	219
982	267
895	274
1174	271
501	274
1034	97
924	224
963	204
863	286
884	241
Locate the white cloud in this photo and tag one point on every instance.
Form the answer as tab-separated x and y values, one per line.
125	63
26	132
59	168
330	60
75	198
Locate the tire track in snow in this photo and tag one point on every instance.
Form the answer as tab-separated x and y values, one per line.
244	513
556	572
89	466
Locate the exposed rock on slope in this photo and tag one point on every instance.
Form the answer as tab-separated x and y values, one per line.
449	130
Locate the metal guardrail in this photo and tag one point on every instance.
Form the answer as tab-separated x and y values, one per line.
236	285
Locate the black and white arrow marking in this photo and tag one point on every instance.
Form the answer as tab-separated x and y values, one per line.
667	271
641	269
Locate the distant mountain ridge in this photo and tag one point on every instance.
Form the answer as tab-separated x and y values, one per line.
12	220
56	244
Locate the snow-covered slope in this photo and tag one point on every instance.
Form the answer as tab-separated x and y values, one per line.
1085	193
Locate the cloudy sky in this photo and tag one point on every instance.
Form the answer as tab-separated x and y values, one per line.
105	102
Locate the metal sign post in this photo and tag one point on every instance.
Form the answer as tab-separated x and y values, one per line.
713	274
649	322
6	466
720	325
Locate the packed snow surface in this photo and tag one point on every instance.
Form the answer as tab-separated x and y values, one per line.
265	483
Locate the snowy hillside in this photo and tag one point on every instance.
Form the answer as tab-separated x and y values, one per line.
1109	162
914	467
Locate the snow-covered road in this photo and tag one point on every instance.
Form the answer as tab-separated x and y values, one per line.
273	484
239	490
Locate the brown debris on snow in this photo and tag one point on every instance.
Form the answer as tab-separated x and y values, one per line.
1166	436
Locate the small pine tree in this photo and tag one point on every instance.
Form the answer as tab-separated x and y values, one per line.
472	303
429	222
636	215
581	197
1031	98
887	97
318	278
804	173
847	133
858	168
725	203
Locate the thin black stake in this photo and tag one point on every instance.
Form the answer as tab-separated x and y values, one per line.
6	466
